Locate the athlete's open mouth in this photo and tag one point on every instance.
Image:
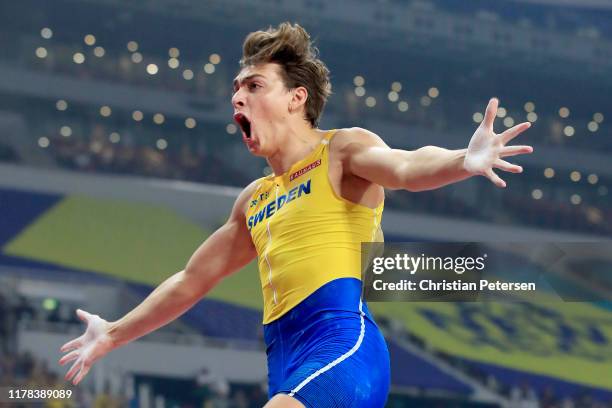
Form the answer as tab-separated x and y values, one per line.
244	124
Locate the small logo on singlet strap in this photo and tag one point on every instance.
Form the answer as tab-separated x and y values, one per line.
305	170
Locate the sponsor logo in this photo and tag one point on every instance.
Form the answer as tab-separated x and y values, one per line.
262	196
270	209
304	170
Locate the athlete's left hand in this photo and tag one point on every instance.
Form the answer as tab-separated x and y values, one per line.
487	148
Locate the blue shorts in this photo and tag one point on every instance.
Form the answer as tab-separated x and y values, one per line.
328	352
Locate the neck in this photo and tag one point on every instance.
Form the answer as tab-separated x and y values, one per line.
297	143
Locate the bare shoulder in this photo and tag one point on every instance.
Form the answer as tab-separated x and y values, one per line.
347	140
346	145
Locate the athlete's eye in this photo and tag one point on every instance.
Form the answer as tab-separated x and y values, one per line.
253	86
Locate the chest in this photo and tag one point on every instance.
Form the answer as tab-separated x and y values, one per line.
276	199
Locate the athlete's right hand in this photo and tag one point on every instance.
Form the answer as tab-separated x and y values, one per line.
88	348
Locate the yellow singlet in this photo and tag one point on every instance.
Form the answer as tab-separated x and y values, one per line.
305	234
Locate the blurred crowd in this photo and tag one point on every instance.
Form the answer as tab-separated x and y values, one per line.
520	394
178	153
422	93
20	368
425	97
24	371
183	162
428	97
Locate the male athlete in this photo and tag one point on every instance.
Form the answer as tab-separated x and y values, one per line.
304	223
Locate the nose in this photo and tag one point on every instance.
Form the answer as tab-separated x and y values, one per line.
238	99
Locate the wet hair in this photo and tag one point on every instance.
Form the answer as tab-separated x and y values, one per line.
290	46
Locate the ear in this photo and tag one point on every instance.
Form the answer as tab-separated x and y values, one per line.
299	98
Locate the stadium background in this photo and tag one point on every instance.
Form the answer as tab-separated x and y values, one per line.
119	156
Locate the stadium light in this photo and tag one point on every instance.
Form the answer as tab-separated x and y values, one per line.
61	105
532	117
593	126
46	33
136	58
43	142
105	111
161	144
190	123
173	63
549	172
231	128
188	74
99	52
78	58
393	96
564	112
152	69
66	131
89	39
41	52
132	46
158	118
403	106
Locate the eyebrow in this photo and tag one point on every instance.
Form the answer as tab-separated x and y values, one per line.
247	78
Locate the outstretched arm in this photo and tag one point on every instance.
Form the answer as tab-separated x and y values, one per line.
365	155
225	251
